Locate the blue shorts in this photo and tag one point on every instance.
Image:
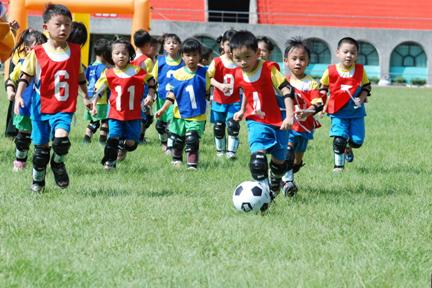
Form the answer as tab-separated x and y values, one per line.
127	130
267	138
43	130
348	128
223	112
299	139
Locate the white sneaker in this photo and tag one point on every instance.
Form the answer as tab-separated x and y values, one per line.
231	155
176	163
220	154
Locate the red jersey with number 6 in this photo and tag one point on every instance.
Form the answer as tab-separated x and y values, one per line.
126	94
59	80
261	103
225	75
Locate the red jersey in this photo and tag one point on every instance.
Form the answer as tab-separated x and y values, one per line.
225	75
139	60
261	103
126	94
59	80
339	96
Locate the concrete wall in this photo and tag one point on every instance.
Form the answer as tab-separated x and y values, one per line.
383	40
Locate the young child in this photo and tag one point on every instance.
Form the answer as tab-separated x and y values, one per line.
126	83
27	40
78	34
163	71
349	87
206	55
56	67
188	90
265	47
144	59
226	100
307	102
267	130
93	73
155	47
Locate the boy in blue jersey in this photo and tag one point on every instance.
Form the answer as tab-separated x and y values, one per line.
93	73
188	88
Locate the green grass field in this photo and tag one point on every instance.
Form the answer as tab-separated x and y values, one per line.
151	225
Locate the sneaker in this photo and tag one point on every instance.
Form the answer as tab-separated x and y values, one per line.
37	187
86	139
108	166
338	169
176	163
220	154
231	155
192	168
349	154
61	176
168	152
289	188
121	155
18	166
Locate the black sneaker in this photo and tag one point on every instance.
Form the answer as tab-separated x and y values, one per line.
289	188
61	176
37	187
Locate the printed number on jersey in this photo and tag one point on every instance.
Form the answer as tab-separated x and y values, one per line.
229	79
61	86
192	98
131	91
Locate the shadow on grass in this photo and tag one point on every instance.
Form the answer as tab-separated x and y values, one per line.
400	169
120	192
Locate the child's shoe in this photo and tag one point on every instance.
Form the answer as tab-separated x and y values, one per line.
61	176
220	154
37	187
349	154
289	188
108	166
121	154
192	168
176	163
18	166
231	155
338	169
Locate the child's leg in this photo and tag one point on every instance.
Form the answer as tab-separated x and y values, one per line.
41	156
103	132
22	144
218	118
161	128
258	166
178	146
233	140
61	146
339	131
192	148
146	123
90	130
110	153
278	168
132	134
357	136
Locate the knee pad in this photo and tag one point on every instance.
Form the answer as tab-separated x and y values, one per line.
258	166
192	141
93	126
219	130
132	147
354	145
22	141
161	127
148	121
339	145
178	141
41	157
110	151
296	167
233	127
278	169
61	145
290	158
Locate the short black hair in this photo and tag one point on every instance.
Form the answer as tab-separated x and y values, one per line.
128	45
101	47
191	45
267	41
296	42
206	52
244	38
27	37
78	33
55	9
227	35
348	40
170	36
141	38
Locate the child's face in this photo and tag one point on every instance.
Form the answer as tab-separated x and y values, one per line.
246	58
191	60
120	55
171	46
225	48
347	54
264	52
29	47
154	50
59	27
297	61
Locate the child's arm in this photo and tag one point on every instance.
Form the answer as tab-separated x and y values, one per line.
10	83
288	95
170	98
225	88
238	116
23	83
82	81
148	101
100	86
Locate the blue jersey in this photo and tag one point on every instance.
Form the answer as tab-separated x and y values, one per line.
93	73
165	72
190	91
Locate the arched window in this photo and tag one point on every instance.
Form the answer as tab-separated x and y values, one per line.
367	54
320	52
408	54
209	43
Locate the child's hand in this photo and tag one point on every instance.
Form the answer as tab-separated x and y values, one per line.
19	103
287	123
238	116
148	101
88	104
159	113
225	88
10	94
357	101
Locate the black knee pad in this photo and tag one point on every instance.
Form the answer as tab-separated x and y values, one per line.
258	166
132	147
278	169
233	127
41	157
219	130
290	158
110	151
22	141
148	121
61	145
93	126
192	141
296	167
339	145
178	141
161	127
354	145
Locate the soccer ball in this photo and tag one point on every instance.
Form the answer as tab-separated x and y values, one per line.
251	196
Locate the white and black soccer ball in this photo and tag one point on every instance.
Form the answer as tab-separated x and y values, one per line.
251	196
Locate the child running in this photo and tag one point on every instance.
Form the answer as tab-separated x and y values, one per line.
56	67
226	100
307	102
267	129
349	87
126	83
188	89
